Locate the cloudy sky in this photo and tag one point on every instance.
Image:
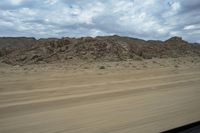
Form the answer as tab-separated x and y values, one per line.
147	19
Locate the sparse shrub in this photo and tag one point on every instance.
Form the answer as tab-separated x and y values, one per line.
154	62
102	67
176	66
85	67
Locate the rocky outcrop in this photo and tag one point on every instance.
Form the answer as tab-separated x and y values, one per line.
106	48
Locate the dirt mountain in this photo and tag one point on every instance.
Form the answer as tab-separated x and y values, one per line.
22	50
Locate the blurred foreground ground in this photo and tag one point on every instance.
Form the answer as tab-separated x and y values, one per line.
120	97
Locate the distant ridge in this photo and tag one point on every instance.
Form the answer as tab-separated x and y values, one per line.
28	50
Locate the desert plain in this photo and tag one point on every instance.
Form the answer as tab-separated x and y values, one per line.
107	84
151	96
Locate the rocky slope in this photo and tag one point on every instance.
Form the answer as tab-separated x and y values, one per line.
21	50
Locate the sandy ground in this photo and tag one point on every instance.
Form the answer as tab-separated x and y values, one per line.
125	97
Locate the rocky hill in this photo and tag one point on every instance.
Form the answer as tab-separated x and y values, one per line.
21	50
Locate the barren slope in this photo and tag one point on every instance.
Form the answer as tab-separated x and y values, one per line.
23	51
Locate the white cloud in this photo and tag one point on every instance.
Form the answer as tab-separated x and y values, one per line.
173	9
152	19
176	6
6	24
96	32
15	2
51	2
27	11
192	27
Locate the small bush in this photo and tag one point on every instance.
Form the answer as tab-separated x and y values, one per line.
102	67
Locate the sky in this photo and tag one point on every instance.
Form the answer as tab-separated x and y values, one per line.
146	19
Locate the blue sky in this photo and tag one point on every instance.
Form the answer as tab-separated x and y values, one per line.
148	19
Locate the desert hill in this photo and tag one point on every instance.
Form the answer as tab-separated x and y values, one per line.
22	50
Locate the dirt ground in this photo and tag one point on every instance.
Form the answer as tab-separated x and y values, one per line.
103	97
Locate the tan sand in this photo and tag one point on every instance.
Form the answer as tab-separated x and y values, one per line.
161	95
